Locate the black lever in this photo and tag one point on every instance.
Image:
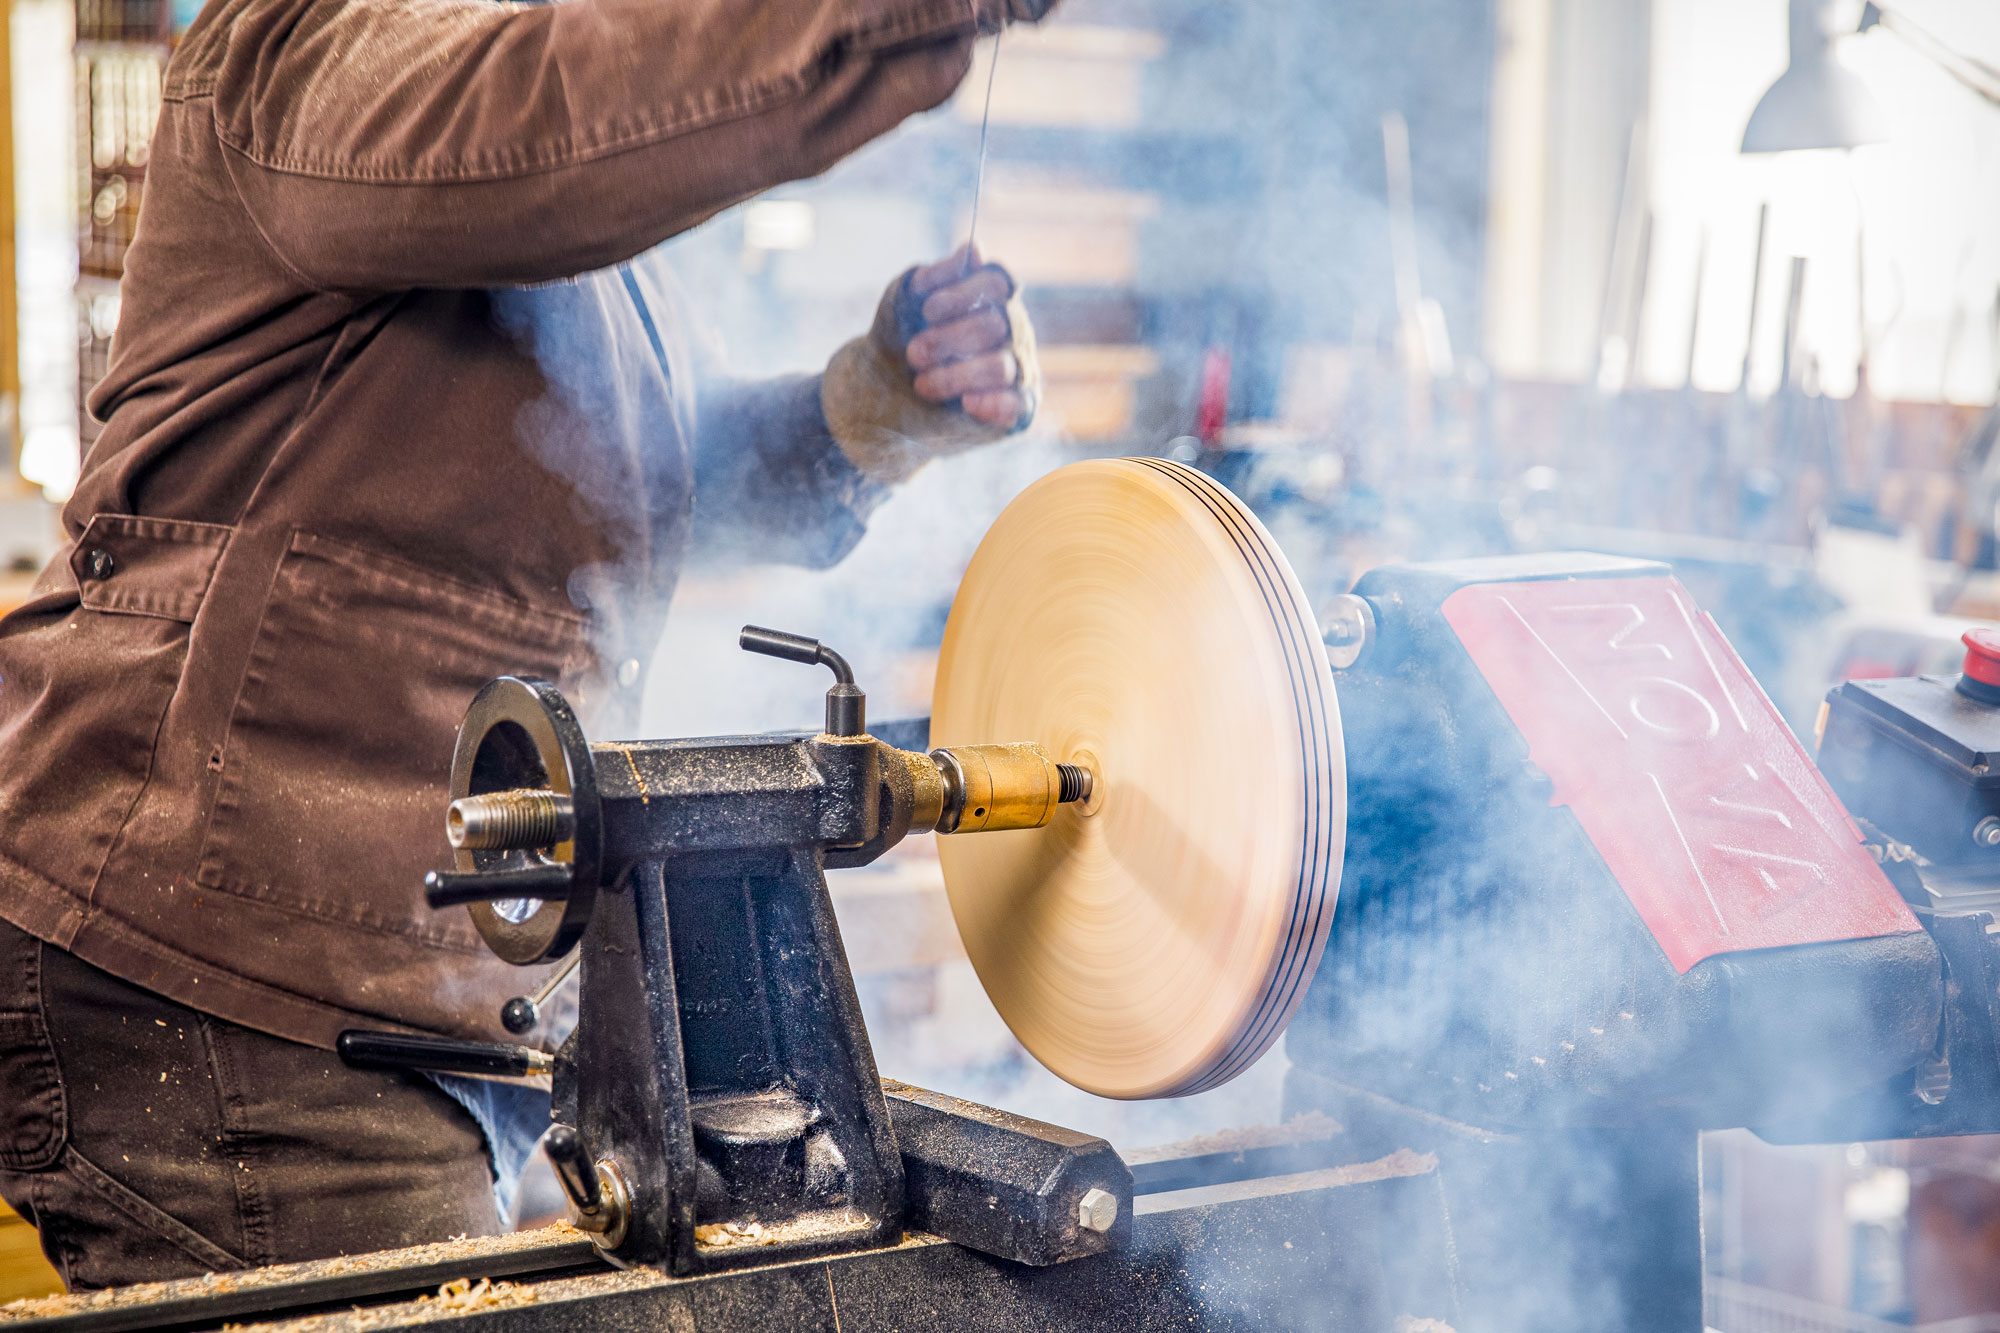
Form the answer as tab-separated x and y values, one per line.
361	1049
594	1185
576	1169
846	705
450	888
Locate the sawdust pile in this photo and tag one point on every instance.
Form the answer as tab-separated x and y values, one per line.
725	1235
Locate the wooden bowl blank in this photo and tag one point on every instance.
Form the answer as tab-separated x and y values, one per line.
1134	617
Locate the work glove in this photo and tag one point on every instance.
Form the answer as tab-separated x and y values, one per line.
996	14
948	365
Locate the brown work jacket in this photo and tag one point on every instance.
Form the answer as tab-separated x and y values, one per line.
371	442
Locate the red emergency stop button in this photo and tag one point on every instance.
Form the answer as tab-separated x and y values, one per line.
1982	655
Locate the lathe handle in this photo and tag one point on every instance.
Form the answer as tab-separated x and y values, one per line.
451	888
595	1186
846	705
576	1169
794	648
439	1055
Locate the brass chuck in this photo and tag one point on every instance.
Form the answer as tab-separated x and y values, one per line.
1011	786
526	819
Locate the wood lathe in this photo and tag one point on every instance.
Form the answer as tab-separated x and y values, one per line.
1592	898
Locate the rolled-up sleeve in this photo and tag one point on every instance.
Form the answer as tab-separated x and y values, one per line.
391	144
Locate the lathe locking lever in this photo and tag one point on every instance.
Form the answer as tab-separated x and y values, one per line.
846	705
596	1189
363	1049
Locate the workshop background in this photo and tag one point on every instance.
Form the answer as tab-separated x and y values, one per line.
1705	281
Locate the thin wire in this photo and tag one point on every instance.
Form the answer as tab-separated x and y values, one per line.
985	133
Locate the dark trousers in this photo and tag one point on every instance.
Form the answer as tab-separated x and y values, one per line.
148	1141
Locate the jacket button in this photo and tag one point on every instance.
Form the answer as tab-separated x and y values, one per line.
628	672
99	564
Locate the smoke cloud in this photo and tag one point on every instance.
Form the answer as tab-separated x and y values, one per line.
1261	133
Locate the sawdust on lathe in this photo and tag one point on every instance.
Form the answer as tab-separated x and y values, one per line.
477	1248
454	1300
726	1235
1305	1127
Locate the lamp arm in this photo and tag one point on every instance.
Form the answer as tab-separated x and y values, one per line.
1970	71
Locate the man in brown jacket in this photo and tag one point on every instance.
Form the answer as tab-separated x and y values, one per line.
371	440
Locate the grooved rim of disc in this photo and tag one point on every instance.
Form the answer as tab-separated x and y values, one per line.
1133	616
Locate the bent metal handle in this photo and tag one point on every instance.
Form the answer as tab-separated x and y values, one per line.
846	704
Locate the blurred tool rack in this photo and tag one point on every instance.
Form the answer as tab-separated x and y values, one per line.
120	55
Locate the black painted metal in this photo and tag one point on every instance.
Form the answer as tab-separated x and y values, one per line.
1914	760
450	888
1919	760
1303	1260
1958	1090
1485	966
904	733
720	1062
1301	1252
1004	1184
846	705
444	1055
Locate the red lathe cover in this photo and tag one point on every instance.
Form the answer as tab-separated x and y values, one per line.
1698	797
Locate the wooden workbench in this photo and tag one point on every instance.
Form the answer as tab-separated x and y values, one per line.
23	1270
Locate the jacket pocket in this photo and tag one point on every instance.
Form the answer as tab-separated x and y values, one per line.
128	565
334	768
33	1117
88	670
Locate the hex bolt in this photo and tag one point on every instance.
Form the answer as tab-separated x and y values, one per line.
1097	1210
1987	831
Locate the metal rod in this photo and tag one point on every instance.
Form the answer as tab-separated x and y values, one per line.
444	1055
985	135
1756	298
451	888
522	1013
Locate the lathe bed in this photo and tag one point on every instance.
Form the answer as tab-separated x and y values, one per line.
1273	1229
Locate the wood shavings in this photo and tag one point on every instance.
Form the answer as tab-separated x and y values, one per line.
724	1235
463	1294
470	1251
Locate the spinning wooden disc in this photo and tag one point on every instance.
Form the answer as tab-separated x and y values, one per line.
1133	617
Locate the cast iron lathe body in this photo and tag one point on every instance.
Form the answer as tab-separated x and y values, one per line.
718	1103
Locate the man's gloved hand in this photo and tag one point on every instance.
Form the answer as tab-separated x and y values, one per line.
948	366
996	14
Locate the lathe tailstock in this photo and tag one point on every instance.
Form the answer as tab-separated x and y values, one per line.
718	1104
